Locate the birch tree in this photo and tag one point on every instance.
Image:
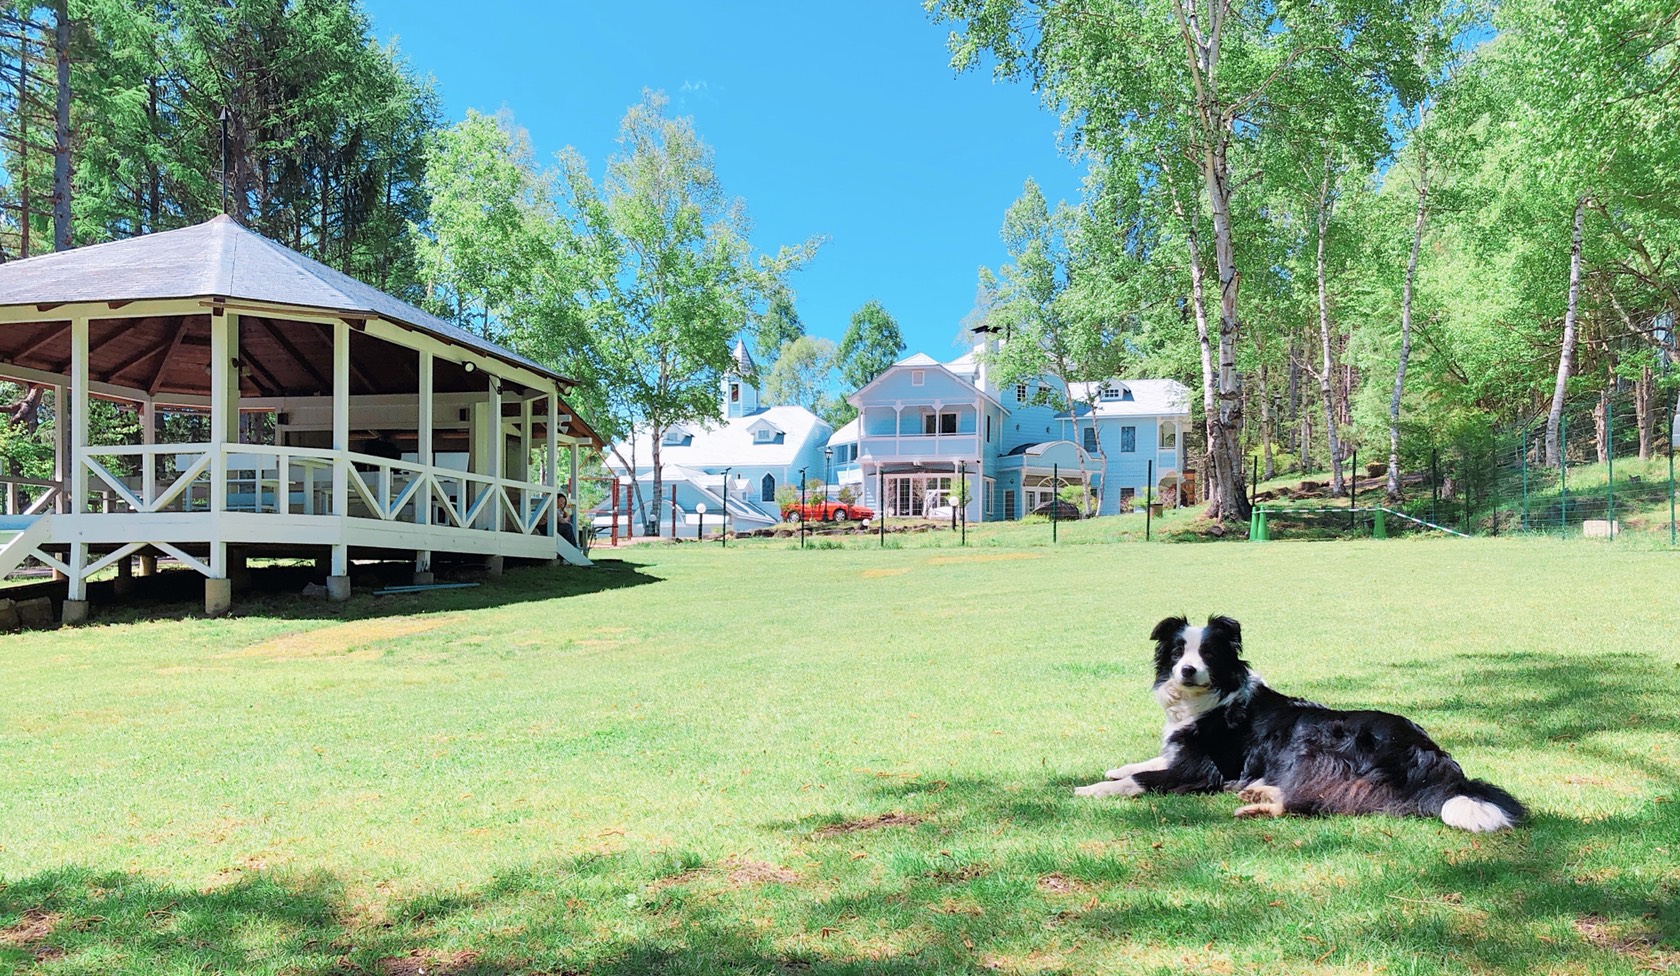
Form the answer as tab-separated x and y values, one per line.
1198	82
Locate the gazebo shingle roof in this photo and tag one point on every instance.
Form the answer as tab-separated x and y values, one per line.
220	259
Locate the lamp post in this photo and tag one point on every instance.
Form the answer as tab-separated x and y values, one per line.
828	470
802	508
700	529
962	493
724	538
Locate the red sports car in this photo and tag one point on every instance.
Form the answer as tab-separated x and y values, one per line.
823	510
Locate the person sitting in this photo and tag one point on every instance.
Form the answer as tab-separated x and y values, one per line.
562	505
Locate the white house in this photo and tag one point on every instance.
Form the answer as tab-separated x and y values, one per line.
760	449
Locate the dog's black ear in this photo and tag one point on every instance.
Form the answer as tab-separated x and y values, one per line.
1168	628
1227	628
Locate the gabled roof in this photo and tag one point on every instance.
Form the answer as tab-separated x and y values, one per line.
1150	398
220	259
730	442
847	434
923	361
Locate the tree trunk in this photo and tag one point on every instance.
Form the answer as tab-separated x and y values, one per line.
1294	419
61	129
1643	388
1198	306
1270	471
1566	354
1406	331
658	480
1603	417
1326	204
22	175
1229	501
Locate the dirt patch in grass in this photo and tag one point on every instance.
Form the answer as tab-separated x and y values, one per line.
878	573
869	823
987	557
428	962
1060	884
745	873
30	932
1638	945
341	639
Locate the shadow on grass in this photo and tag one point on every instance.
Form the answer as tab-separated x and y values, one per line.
275	591
977	874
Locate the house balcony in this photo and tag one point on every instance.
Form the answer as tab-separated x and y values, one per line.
920	447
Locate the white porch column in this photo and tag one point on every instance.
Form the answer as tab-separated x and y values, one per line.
338	583
423	454
61	448
75	605
497	449
572	491
224	424
552	449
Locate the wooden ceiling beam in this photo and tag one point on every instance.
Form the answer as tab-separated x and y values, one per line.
293	351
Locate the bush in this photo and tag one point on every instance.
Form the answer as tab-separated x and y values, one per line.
847	495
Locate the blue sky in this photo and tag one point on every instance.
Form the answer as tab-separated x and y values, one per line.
842	120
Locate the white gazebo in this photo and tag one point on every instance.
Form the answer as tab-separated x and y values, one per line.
285	409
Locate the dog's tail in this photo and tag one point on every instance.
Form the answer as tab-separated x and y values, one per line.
1479	806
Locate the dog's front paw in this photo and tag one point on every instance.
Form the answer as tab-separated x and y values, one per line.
1121	773
1111	787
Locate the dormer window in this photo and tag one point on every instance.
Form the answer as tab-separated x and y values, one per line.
677	437
1109	392
764	435
918	377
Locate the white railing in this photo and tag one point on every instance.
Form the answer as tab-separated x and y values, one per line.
300	481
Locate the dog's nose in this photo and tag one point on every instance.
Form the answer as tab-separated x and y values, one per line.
1188	672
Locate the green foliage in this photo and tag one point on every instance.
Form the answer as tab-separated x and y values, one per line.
803	374
872	343
775	328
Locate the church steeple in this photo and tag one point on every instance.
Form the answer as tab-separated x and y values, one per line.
740	384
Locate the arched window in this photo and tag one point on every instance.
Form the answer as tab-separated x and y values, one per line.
768	488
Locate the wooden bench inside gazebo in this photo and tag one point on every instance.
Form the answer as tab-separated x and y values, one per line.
284	410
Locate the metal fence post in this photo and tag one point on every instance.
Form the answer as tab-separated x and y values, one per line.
1148	498
881	502
803	514
1353	491
1610	459
1434	484
1671	532
962	480
1523	460
1055	498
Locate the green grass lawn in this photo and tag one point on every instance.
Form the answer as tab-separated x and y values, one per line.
761	760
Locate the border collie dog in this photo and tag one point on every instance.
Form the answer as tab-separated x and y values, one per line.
1226	730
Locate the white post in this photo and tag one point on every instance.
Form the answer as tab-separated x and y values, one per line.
75	605
148	462
498	447
553	461
338	583
61	446
572	491
524	468
423	454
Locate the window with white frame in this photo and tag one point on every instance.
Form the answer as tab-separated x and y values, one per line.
1090	440
918	377
939	423
1169	436
1128	440
1109	392
764	435
1020	393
